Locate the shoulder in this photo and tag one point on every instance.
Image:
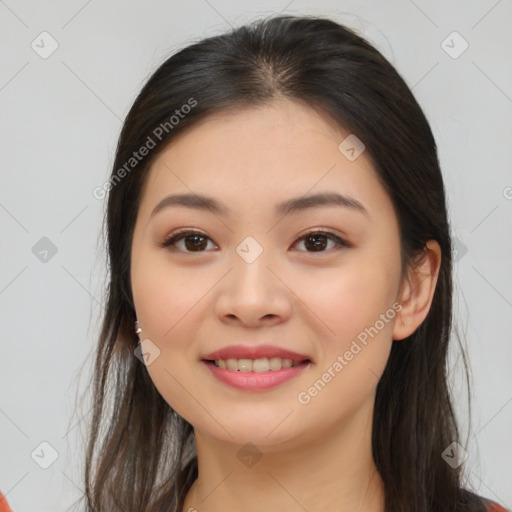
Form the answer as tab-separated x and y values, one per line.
494	507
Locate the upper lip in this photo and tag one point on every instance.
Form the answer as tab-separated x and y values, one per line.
254	352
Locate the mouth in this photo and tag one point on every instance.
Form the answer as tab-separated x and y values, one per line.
256	367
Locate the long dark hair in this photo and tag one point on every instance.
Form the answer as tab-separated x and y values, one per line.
140	452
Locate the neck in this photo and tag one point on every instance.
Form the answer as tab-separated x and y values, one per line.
332	470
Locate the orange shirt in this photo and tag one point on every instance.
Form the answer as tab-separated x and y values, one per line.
493	507
4	506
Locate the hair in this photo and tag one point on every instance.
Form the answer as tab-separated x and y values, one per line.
140	453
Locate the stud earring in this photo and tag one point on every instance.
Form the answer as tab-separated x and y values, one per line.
138	330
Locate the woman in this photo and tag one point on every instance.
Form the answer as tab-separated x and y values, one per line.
279	307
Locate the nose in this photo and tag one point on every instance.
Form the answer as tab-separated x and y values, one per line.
254	294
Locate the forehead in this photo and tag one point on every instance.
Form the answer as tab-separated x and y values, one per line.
254	156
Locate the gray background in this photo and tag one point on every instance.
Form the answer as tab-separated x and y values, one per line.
61	116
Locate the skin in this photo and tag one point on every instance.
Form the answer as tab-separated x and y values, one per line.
315	456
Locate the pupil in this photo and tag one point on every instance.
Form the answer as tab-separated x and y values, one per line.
317	245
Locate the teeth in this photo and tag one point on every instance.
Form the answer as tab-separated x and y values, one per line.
264	364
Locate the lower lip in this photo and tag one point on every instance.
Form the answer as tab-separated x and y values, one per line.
254	381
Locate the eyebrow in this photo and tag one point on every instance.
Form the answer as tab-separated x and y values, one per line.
294	205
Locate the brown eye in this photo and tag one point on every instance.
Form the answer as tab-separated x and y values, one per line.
317	241
193	241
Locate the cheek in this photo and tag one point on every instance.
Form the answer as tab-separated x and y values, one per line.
349	301
356	309
164	295
166	300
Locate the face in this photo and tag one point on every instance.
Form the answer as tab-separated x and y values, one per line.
320	279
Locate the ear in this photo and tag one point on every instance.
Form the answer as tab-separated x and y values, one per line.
417	291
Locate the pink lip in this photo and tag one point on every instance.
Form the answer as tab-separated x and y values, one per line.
255	352
252	381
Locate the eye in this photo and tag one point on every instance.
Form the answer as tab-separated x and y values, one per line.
318	240
194	241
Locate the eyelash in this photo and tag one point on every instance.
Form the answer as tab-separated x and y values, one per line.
173	239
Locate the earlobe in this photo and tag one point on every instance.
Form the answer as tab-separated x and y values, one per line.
417	291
